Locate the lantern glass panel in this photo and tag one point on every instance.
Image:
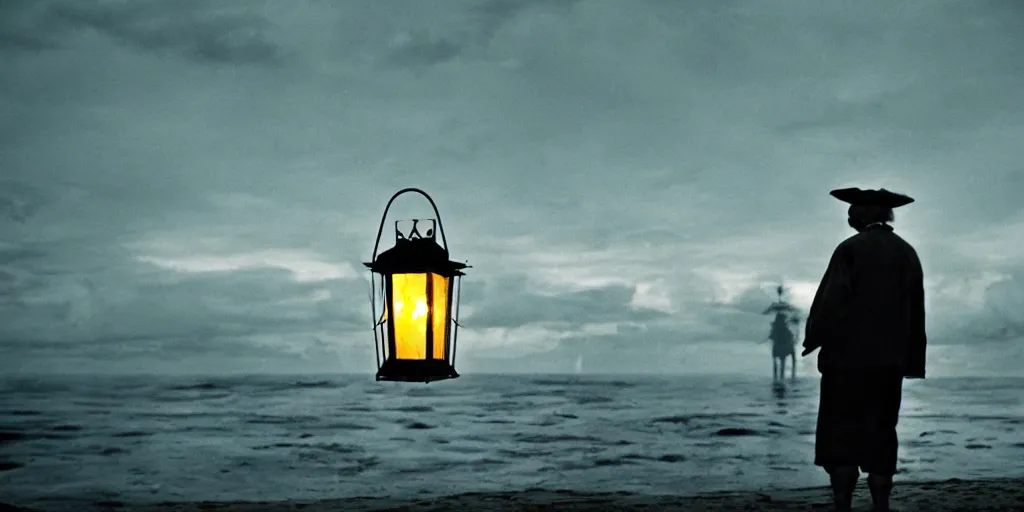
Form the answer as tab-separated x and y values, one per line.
412	303
439	300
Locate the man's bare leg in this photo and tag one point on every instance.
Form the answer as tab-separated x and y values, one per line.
844	480
880	487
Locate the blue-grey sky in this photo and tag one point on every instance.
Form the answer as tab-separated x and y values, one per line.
192	185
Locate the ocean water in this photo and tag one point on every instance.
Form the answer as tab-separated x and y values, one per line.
69	442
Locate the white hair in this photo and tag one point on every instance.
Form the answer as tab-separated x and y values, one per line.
868	214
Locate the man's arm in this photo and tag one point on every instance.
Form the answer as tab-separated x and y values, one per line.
831	302
917	345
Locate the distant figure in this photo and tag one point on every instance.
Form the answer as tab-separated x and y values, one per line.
868	320
782	338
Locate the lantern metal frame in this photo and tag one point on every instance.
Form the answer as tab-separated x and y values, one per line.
429	369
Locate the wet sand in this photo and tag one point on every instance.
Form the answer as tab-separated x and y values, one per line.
949	495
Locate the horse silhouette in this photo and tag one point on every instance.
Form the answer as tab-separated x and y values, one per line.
782	337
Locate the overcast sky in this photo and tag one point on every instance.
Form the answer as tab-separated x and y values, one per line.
192	185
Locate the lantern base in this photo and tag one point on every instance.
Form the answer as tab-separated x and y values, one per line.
416	370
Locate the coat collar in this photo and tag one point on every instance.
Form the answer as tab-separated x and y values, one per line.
878	226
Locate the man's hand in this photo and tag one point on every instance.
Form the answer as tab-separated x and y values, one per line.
808	348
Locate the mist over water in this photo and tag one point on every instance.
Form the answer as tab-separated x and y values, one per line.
974	358
68	442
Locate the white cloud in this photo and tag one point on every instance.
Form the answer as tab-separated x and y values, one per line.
728	282
305	267
652	295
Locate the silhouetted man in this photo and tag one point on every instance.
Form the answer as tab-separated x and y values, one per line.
868	319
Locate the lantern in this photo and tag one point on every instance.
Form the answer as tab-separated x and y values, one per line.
417	330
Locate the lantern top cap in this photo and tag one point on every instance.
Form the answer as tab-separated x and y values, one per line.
415	256
417	251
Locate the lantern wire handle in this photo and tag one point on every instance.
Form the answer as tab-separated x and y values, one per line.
380	230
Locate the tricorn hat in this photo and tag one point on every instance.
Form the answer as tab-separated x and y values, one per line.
880	197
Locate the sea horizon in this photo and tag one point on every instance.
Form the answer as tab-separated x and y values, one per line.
370	375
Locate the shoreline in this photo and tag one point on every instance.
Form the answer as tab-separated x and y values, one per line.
1003	494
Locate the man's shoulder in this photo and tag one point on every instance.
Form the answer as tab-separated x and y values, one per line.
875	236
852	243
871	240
898	240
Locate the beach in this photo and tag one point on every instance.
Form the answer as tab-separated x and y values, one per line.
77	444
949	495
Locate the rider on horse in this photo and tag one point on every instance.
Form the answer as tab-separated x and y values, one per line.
781	336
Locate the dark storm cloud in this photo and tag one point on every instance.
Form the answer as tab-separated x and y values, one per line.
19	201
189	28
23	26
494	14
425	49
11	255
469	33
175	312
625	178
11	40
